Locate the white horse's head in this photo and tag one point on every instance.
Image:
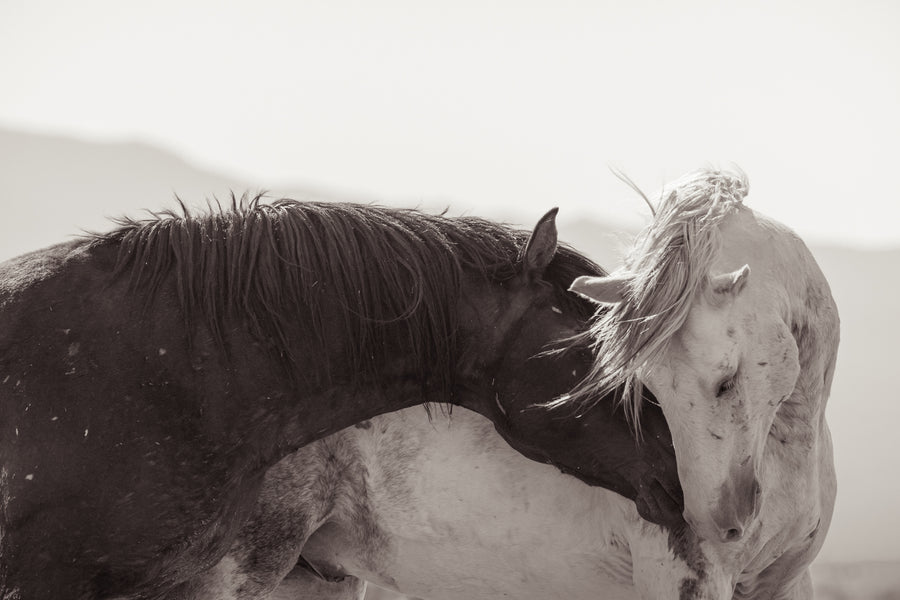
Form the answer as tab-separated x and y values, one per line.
709	312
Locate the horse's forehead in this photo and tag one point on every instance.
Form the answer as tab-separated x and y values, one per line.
747	322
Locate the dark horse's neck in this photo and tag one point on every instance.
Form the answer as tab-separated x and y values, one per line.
315	316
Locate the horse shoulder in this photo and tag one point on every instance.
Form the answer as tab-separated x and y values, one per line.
787	578
782	566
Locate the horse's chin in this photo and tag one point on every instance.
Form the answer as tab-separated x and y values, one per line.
661	506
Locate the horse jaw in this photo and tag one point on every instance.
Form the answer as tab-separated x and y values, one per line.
720	383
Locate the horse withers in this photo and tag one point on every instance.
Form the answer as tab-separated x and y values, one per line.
150	376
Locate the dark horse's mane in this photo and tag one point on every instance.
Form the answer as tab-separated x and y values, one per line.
282	266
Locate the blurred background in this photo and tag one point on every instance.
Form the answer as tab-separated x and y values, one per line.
501	109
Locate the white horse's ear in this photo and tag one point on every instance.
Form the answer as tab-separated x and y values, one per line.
602	290
541	246
730	283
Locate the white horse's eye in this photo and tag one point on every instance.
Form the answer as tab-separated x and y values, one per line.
724	387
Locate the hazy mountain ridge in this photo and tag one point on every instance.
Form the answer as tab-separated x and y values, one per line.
52	187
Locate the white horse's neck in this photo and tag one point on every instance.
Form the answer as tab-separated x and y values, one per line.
798	479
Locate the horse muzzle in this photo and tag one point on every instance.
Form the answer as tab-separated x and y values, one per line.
733	514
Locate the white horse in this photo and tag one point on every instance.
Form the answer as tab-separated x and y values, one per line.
726	317
451	512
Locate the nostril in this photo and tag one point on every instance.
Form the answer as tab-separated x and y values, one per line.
732	535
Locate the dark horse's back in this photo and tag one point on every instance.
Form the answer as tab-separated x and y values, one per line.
91	393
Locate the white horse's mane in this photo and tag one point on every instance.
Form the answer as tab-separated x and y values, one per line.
668	265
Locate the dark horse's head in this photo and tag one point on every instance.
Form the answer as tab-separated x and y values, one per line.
529	352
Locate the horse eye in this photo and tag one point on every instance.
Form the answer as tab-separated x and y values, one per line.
725	387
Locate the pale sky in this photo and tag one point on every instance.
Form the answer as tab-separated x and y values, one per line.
483	103
507	106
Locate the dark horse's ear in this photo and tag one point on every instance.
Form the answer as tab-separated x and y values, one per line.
541	246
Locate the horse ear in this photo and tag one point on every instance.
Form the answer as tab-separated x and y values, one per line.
730	283
602	290
541	246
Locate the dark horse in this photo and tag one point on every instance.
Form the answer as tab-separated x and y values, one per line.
151	375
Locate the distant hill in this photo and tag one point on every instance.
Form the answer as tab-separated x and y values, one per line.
52	187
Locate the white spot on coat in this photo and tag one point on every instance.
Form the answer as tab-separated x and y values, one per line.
162	351
73	348
29	477
85	432
556	310
54	419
